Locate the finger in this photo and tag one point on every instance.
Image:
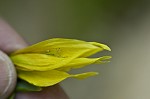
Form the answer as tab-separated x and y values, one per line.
7	76
52	92
9	39
9	42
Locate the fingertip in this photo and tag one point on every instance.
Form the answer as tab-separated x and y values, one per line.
7	76
9	39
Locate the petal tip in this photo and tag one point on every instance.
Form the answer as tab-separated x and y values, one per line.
105	47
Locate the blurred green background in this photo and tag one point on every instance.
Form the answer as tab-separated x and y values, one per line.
124	25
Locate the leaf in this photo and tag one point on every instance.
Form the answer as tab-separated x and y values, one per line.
26	87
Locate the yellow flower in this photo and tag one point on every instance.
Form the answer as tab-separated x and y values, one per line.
48	62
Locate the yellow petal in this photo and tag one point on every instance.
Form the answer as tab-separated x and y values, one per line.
34	59
49	78
62	47
43	78
99	47
81	62
41	62
84	75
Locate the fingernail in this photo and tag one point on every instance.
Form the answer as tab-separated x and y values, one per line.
7	76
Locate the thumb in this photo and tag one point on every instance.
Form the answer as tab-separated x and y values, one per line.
7	76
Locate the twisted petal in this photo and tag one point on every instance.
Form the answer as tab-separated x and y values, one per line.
81	62
40	62
49	78
64	47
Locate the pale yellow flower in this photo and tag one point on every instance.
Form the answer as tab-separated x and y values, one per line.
47	63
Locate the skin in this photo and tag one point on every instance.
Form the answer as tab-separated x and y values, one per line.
9	42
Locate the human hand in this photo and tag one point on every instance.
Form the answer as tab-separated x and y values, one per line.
9	42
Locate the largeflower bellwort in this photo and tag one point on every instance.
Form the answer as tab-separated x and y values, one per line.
48	62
